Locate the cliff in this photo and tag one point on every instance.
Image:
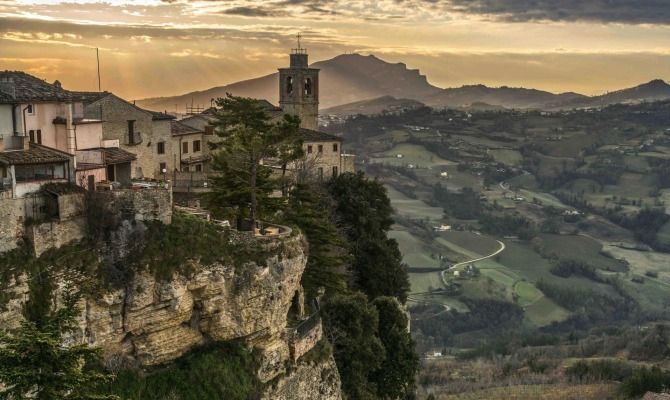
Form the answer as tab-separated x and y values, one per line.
252	294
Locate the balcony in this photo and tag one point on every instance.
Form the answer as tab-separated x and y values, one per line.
133	139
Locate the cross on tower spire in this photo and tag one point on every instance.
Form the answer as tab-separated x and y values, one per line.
299	49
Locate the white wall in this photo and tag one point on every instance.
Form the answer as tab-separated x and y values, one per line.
89	136
6	120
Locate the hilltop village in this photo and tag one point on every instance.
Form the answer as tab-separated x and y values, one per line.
101	194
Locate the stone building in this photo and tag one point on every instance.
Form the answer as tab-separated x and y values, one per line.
145	134
190	148
299	95
46	125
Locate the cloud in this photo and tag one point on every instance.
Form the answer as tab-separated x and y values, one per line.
608	11
253	12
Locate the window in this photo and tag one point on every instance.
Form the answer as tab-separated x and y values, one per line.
289	85
131	132
162	167
30	109
184	147
35	136
334	147
198	168
321	173
160	147
309	149
334	172
184	168
308	86
196	146
320	148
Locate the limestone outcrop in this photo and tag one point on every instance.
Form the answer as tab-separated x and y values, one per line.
308	381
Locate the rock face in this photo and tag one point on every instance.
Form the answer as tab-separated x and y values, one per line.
153	322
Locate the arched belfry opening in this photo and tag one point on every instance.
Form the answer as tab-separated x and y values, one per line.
308	86
289	85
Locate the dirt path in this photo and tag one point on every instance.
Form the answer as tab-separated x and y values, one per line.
495	253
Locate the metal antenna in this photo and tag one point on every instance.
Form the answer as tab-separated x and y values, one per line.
97	56
299	36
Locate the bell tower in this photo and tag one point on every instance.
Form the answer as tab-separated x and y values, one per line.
299	89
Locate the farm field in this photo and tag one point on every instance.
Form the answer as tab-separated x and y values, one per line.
538	392
413	208
416	155
580	248
507	157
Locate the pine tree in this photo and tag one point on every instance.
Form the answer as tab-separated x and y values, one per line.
35	363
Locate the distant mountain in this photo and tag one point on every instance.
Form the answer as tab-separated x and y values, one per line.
650	91
373	106
354	81
344	79
503	96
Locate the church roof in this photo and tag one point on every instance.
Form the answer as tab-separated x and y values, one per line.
310	135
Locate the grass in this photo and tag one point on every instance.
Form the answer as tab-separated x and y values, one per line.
414	154
641	262
544	311
580	248
414	252
507	157
539	392
422	282
412	208
527	293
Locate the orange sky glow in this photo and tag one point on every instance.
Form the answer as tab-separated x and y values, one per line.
157	48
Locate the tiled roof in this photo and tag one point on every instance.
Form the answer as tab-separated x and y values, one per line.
158	116
19	87
179	129
115	155
36	154
310	135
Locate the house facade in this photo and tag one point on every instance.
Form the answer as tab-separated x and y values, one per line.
44	136
145	134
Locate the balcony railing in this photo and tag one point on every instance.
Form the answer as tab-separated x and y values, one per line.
134	139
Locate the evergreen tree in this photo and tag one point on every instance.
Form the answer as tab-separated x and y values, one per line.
350	324
365	214
249	137
311	210
395	377
34	362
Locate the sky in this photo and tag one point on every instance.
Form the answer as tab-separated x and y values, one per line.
154	48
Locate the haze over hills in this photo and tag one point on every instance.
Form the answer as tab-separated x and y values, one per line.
373	106
353	78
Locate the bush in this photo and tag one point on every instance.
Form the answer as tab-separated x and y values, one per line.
220	371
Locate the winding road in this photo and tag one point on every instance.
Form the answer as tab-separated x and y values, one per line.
495	253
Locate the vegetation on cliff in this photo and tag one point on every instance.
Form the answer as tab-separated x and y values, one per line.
34	363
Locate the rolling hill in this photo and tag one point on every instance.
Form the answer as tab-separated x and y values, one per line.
358	82
373	106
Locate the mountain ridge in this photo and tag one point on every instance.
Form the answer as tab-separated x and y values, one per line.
351	78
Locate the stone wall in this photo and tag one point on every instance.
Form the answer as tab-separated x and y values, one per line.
144	204
12	219
305	337
311	381
54	234
115	113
